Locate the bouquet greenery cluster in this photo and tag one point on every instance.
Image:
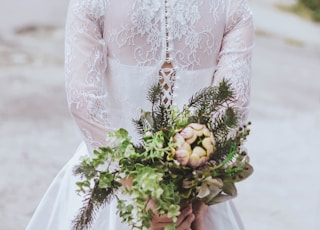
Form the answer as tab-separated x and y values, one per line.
186	155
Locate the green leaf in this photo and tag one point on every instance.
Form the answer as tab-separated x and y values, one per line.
170	227
174	212
230	189
106	180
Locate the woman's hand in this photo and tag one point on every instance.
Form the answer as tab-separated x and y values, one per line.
199	210
159	222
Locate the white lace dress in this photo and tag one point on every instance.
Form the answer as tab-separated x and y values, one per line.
115	50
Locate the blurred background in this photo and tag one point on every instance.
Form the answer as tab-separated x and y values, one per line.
37	135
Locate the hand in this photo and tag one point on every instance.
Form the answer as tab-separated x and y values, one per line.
199	210
158	222
126	182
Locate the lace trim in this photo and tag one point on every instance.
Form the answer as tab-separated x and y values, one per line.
167	72
191	35
167	79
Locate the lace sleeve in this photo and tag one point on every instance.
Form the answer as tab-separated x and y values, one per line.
234	60
85	64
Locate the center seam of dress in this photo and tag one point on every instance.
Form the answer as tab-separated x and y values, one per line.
167	73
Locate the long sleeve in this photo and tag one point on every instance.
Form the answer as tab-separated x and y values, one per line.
234	59
85	64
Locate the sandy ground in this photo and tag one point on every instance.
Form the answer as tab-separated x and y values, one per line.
37	135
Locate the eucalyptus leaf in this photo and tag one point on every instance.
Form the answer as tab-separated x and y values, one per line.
218	199
153	166
230	189
244	172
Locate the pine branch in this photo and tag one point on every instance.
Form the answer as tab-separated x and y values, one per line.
161	117
225	91
224	122
158	117
155	97
96	199
140	125
223	149
211	100
200	97
85	170
155	94
202	102
139	148
143	123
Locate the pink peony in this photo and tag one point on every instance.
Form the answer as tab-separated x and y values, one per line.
195	144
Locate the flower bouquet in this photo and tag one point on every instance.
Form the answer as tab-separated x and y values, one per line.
192	154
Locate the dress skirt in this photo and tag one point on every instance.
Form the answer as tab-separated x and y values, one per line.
61	204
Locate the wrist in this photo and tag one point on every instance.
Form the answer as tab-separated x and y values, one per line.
198	224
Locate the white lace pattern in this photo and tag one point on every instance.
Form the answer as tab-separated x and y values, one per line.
115	50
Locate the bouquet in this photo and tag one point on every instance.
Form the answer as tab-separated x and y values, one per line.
185	155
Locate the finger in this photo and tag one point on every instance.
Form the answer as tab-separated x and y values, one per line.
160	222
185	212
162	218
186	223
159	225
151	205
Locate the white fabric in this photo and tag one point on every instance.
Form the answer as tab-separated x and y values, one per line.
60	204
114	53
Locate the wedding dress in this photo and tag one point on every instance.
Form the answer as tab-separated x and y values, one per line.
115	51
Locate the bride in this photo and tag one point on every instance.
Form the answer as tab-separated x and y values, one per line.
115	50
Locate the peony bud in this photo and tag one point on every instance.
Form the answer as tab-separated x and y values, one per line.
202	141
189	135
198	157
182	156
199	151
196	126
178	139
183	153
192	139
206	132
187	132
209	144
194	161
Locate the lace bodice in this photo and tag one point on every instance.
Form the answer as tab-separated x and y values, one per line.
115	50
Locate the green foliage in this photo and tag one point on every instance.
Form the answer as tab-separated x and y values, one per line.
314	6
156	174
94	200
316	15
311	4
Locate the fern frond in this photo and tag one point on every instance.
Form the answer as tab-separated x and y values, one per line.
155	94
143	123
95	200
161	116
225	91
85	170
200	97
